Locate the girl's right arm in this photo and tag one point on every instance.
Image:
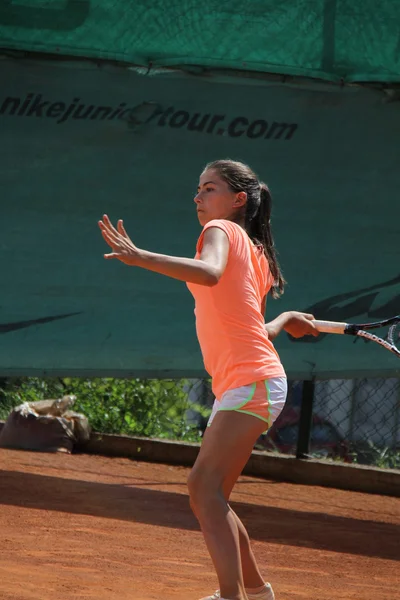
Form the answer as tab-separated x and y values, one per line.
207	270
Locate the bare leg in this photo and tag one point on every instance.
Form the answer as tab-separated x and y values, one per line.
251	573
224	452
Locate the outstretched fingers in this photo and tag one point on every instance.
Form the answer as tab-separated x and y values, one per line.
121	229
120	243
114	233
108	236
107	223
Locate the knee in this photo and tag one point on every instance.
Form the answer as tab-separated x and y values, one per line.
202	487
190	485
194	485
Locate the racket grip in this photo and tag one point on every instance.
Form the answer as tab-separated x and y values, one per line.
330	326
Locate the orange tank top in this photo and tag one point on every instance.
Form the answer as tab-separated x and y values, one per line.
229	324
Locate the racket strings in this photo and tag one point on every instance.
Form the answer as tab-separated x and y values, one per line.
394	334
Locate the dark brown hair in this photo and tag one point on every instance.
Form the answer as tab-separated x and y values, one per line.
240	178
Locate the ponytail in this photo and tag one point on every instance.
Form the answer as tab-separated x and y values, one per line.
258	227
257	216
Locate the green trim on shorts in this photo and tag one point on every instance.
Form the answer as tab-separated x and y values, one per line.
249	397
269	401
247	412
268	419
237	408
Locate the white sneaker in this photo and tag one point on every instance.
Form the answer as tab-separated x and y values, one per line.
216	596
267	594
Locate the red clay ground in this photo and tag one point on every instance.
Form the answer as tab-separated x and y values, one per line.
91	527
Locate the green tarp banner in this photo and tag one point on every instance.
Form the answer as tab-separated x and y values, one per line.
80	141
349	40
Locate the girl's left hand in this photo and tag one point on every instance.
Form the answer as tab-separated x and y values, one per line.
122	246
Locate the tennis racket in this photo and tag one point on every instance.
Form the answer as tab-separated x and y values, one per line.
360	330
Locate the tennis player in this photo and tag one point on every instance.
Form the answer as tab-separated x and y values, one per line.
234	269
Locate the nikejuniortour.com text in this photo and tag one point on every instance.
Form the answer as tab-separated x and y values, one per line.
35	105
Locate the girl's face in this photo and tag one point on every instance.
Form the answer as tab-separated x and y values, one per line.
215	199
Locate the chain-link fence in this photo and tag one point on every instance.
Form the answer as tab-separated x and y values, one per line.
352	420
355	420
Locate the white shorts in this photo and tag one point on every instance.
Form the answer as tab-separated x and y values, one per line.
262	399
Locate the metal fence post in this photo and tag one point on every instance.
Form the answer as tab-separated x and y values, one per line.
305	423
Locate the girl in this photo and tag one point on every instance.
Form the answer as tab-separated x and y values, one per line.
234	269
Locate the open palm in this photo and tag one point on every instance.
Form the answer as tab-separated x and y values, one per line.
121	244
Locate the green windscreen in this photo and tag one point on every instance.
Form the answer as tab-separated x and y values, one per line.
349	40
79	141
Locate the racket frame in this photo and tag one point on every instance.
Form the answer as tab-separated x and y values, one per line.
360	330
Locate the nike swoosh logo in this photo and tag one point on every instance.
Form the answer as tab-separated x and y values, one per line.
7	327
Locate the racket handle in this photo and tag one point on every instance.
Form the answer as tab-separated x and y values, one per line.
330	326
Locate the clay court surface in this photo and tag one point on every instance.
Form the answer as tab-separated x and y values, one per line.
83	526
